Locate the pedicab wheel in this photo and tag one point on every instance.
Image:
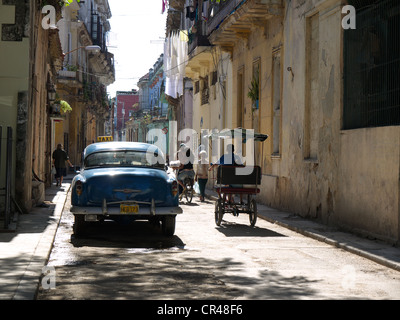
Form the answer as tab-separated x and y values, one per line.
253	212
219	212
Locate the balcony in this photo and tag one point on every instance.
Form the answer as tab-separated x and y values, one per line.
69	78
234	19
67	74
103	66
198	38
219	12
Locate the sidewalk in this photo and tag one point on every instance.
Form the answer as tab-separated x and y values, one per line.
25	252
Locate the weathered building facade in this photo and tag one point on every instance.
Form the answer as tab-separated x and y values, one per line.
87	71
126	105
250	35
329	166
149	121
327	96
179	89
43	63
30	56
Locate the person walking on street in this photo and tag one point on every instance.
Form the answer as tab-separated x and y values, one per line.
202	173
60	156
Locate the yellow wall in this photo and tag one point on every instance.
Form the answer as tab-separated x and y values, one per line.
258	49
14	72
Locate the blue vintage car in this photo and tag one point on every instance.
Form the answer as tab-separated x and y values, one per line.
124	181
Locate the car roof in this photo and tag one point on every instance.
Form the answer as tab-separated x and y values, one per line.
117	145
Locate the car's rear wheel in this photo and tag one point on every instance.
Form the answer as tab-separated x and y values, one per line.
168	225
155	222
79	225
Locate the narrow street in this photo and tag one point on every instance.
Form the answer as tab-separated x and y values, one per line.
203	261
108	94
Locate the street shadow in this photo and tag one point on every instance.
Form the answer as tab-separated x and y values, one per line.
139	234
36	221
163	276
232	229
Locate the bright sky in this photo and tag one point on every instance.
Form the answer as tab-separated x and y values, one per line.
134	25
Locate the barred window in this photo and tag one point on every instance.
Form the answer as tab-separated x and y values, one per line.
372	67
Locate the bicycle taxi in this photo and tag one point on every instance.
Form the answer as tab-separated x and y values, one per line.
237	180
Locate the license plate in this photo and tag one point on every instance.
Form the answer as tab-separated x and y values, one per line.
129	208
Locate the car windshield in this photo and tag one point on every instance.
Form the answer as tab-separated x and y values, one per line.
124	158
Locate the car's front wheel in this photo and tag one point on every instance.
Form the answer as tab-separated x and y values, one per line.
168	225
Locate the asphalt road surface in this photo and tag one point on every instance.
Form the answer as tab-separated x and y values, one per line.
203	261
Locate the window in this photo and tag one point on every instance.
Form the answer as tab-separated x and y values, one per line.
240	98
95	26
214	80
69	48
205	94
214	77
372	68
311	119
66	142
123	158
276	103
255	83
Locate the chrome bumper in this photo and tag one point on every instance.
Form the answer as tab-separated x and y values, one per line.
105	210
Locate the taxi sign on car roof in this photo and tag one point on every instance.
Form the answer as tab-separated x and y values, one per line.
104	138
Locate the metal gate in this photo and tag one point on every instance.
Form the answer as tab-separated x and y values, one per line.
5	216
372	67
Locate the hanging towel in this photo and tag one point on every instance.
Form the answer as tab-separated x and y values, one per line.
184	35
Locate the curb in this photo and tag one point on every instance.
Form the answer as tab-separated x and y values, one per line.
29	283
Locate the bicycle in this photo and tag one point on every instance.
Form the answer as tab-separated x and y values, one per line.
188	190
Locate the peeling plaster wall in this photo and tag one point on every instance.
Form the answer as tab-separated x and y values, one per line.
354	180
297	183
